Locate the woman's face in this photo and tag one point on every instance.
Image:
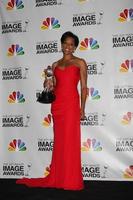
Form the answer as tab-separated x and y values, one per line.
68	46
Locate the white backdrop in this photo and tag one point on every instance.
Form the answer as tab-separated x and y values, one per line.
30	41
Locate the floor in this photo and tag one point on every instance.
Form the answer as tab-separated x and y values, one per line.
94	190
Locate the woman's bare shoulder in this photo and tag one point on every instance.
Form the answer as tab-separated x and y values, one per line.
80	61
55	64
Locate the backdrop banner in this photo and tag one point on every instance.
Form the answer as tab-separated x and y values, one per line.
30	33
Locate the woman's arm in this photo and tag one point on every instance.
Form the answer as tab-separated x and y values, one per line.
53	68
83	83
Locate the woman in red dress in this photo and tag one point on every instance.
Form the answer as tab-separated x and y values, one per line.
67	111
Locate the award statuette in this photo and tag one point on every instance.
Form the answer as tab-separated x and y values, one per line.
47	95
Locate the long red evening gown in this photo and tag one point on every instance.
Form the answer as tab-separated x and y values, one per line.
65	168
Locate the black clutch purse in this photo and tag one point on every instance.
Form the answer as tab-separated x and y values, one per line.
46	97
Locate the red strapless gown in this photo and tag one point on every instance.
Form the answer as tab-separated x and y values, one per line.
65	168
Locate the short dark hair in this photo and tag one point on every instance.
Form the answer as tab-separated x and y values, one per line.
70	34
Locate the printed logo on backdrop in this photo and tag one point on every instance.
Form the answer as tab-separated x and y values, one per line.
82	1
85	19
126	15
122	40
95	171
47	47
15	120
50	23
104	171
47	171
124	144
13	4
91	145
47	120
18	26
93	94
91	171
17	145
45	144
15	73
95	68
16	97
40	3
94	119
127	118
126	66
88	44
16	169
128	172
15	50
123	92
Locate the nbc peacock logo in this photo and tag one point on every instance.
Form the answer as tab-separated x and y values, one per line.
82	1
88	44
15	50
93	94
16	145
128	173
127	66
47	171
15	5
47	120
50	23
16	97
126	15
127	118
91	144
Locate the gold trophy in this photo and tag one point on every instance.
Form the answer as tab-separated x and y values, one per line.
47	95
